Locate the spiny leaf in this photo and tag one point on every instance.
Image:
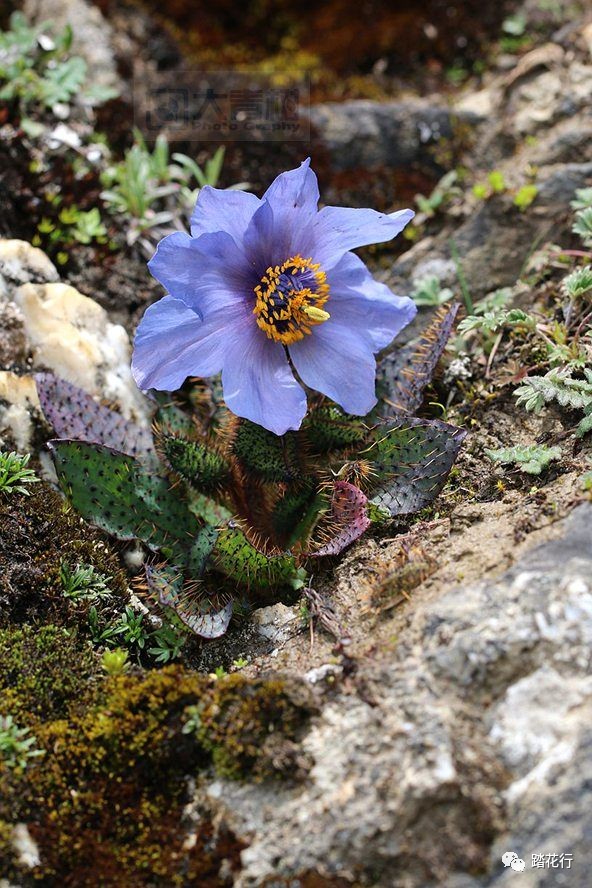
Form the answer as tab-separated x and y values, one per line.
203	618
404	375
206	508
267	456
295	511
115	492
202	467
327	428
200	550
171	420
235	557
346	520
75	414
412	459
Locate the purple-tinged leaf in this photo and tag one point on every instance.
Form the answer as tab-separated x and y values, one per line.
411	459
75	414
404	374
166	585
345	522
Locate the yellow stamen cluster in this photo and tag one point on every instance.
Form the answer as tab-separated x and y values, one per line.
286	310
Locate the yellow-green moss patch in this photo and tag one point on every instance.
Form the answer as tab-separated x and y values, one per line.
105	803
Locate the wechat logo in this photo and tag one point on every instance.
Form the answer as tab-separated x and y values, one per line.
510	858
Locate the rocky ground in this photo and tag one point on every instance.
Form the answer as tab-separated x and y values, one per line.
429	709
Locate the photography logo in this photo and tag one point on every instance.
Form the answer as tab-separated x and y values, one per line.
510	858
197	106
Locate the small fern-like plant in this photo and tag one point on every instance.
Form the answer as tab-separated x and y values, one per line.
559	385
530	458
578	283
582	200
583	225
82	582
428	292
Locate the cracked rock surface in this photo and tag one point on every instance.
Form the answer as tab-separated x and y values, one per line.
471	737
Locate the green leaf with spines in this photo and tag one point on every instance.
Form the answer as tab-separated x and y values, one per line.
171	420
204	617
236	558
114	492
265	455
295	511
404	375
199	465
328	428
206	508
200	551
411	459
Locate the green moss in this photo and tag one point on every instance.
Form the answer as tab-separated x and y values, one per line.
7	854
105	804
43	671
251	728
37	533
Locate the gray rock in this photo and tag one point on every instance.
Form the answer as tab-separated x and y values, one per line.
92	35
372	134
13	341
276	622
442	269
476	741
496	238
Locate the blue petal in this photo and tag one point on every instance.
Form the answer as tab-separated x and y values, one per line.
172	343
335	360
289	206
336	230
220	210
258	383
294	194
207	273
365	305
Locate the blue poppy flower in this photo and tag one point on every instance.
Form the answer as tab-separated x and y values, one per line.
264	289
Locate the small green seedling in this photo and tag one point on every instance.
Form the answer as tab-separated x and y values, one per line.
14	474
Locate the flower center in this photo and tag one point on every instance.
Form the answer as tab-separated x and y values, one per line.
290	299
